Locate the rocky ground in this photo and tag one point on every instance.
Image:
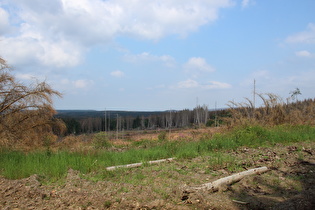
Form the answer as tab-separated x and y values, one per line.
289	184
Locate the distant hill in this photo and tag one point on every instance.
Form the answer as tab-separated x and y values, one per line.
80	114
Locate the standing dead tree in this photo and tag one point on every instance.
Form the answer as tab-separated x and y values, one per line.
25	111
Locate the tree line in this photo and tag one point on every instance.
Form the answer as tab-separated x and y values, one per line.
111	121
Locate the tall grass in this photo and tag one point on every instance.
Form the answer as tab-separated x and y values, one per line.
16	164
273	111
54	165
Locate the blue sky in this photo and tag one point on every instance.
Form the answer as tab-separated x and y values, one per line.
160	54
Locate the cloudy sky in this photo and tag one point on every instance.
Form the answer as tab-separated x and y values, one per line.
160	54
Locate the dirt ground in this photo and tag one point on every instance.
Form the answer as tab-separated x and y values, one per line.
289	184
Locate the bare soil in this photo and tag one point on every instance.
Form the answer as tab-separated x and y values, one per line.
289	184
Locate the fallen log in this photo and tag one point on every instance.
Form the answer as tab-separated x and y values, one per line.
134	165
240	202
216	185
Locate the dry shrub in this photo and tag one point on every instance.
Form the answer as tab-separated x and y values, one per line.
26	111
75	143
5	143
31	143
273	112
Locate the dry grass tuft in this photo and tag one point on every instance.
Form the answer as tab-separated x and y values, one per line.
274	111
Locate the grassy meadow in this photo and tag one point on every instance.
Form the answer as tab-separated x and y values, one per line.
51	164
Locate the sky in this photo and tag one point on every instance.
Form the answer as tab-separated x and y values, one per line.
155	55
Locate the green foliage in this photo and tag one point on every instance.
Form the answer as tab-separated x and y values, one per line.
162	136
295	93
187	150
144	143
220	160
73	126
53	166
47	142
101	140
107	204
250	135
136	122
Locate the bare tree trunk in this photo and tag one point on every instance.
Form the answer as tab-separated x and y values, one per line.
134	165
216	185
117	126
206	110
106	121
142	123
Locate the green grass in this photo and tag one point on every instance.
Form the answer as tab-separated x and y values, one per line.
17	164
220	160
54	165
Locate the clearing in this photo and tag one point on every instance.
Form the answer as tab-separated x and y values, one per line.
290	184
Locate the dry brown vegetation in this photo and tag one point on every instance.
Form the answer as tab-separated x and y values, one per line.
274	111
26	111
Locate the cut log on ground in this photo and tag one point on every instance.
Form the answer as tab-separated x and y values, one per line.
216	185
134	165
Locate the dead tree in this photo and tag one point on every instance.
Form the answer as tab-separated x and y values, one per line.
24	110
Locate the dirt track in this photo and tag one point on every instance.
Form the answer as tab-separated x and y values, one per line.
290	184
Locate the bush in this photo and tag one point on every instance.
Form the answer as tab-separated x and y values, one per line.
26	111
100	140
162	136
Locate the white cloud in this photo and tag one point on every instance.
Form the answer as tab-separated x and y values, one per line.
306	37
188	84
64	81
81	83
31	77
30	50
197	65
217	85
4	21
61	54
166	60
57	32
75	86
160	86
245	3
303	53
117	73
21	76
155	19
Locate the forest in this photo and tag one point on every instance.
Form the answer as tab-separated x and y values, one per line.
87	121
